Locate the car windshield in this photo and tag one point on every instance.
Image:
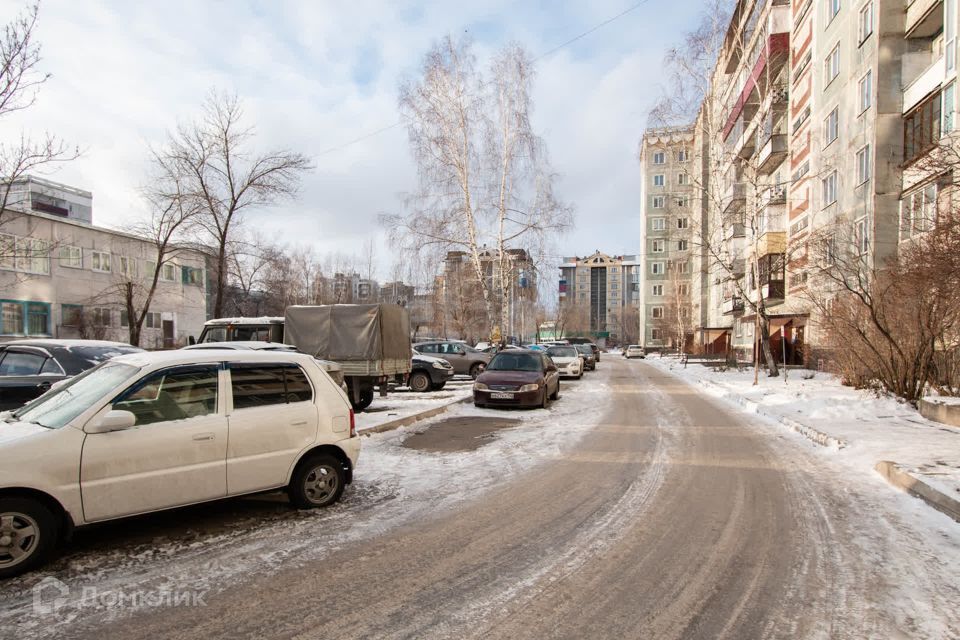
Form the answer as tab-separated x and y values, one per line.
514	362
60	406
562	352
585	349
96	355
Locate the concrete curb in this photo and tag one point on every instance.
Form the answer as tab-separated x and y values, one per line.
416	417
814	435
909	483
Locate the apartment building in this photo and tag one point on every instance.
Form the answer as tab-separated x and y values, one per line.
600	294
667	224
61	277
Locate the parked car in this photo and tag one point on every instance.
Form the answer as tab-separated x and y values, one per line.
589	358
568	361
149	431
536	347
595	349
29	368
333	369
465	359
634	351
429	373
519	378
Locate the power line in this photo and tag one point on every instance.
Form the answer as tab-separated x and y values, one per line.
580	36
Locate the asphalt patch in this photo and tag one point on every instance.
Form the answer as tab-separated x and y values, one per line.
458	434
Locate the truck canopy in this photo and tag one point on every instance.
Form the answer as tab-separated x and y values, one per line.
350	332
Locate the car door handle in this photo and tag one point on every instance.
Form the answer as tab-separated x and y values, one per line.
298	423
200	437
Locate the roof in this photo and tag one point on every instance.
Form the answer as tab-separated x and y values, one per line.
251	345
66	344
204	356
260	320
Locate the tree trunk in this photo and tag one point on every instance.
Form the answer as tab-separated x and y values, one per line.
772	370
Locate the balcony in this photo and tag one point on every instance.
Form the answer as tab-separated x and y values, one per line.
924	18
771	242
925	83
772	292
775	195
738	267
732	306
774	52
734	197
772	153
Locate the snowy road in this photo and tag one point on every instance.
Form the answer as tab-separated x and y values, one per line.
636	507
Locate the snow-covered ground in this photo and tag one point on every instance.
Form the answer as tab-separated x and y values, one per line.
402	403
207	549
872	427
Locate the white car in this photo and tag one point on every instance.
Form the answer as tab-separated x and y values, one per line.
634	351
152	431
568	360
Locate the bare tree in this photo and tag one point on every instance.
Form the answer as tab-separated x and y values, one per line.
484	179
20	81
226	178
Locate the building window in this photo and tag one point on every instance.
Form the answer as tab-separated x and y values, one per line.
683	223
659	202
27	255
21	318
659	224
829	185
71	257
921	128
658	246
71	314
656	334
918	211
682	245
656	268
100	261
866	91
833	8
681	178
658	290
128	267
192	275
658	180
949	107
831	126
124	319
831	66
659	157
865	22
168	273
656	313
863	165
683	202
153	320
683	289
683	155
683	268
950	33
100	316
862	236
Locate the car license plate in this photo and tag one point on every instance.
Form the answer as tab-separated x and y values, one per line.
500	395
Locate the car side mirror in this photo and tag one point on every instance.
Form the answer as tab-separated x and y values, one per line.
192	340
114	420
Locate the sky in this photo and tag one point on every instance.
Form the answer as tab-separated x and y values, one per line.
317	75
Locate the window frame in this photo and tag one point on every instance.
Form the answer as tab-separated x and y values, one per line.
829	181
865	92
67	261
865	23
833	118
831	66
97	261
864	165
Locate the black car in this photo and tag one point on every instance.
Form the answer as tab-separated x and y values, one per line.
28	368
428	373
589	357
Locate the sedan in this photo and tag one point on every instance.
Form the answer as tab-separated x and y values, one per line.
428	373
568	361
518	378
465	359
634	351
589	358
29	368
152	431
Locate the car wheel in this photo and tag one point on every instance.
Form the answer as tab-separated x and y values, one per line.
477	369
556	394
366	399
419	381
28	535
479	405
545	402
317	482
438	386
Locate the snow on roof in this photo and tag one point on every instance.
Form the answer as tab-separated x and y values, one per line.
204	356
67	344
241	320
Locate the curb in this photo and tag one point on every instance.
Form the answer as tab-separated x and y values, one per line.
815	436
412	419
912	485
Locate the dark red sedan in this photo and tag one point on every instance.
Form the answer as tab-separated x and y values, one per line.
518	378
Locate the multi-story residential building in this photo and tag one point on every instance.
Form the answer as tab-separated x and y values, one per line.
667	223
600	294
62	277
513	295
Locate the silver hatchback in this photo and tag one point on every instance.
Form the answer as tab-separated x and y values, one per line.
466	360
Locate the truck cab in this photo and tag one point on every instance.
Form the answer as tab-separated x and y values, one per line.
264	329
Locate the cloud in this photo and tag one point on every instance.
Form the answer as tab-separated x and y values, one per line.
316	75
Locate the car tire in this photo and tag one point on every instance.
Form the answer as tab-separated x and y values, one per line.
556	394
438	386
545	403
419	382
31	528
318	481
479	405
476	369
366	399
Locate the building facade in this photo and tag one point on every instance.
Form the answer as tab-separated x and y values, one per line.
600	296
62	277
667	224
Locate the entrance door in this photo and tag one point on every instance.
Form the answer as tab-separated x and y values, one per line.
168	334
